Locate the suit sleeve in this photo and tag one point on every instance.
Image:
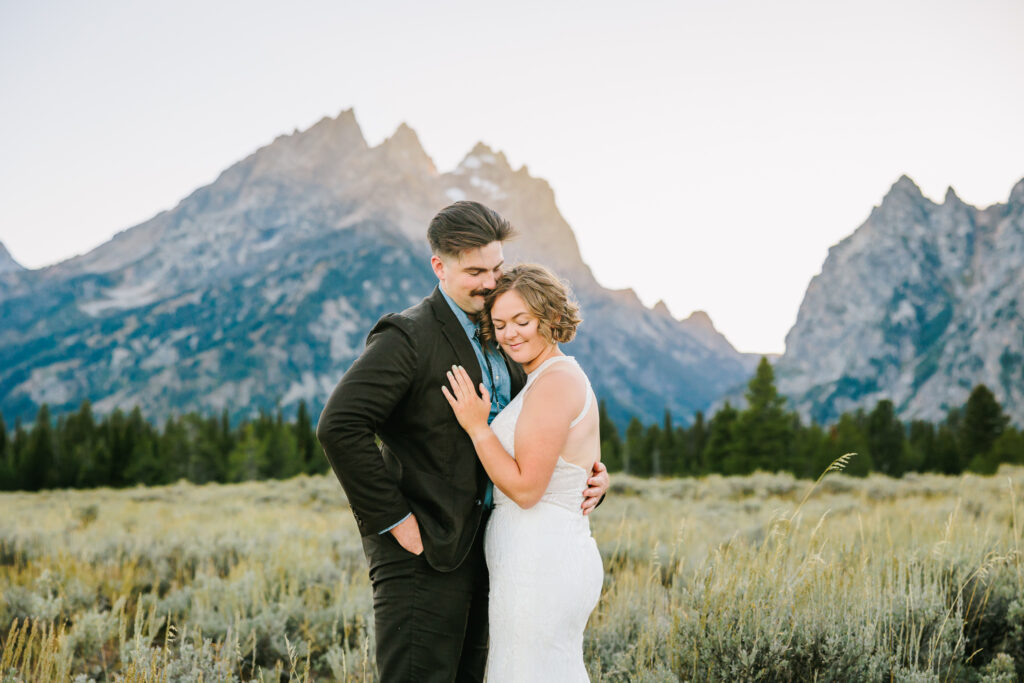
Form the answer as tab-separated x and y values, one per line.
362	401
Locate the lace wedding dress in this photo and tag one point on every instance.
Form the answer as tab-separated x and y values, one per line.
545	569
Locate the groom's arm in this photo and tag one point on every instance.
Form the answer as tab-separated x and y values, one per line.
362	401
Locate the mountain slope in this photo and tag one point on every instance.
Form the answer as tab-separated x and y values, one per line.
919	304
258	289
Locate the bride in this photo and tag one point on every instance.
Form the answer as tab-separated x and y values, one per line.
545	569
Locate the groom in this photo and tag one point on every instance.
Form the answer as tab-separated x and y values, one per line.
421	500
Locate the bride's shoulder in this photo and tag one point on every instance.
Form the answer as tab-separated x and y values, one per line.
562	383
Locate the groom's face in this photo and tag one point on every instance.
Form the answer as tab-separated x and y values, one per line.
468	277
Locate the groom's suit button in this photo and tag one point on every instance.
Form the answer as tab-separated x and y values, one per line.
478	502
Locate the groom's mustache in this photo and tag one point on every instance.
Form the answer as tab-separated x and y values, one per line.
480	292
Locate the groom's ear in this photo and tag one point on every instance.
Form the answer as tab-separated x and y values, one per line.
438	265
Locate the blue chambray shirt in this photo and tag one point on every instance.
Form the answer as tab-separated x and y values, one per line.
498	381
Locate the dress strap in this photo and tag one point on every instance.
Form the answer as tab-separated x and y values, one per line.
586	407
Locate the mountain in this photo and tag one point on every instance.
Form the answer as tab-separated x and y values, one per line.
922	302
258	289
7	262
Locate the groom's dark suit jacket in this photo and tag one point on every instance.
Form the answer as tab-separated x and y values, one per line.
426	463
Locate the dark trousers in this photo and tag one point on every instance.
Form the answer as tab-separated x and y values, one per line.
430	625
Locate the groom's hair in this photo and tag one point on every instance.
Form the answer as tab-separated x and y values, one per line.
466	225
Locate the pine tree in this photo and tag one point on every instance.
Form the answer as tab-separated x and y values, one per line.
983	422
633	457
6	461
650	462
885	439
1009	447
922	454
849	435
696	443
722	452
18	450
764	430
40	456
95	468
667	450
306	443
77	436
245	462
281	457
120	446
811	453
611	444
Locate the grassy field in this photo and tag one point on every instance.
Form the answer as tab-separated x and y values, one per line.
712	579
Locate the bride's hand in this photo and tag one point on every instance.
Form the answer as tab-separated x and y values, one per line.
471	409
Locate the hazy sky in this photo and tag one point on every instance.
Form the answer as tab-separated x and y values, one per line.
706	153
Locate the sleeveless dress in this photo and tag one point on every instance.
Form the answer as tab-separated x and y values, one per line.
545	568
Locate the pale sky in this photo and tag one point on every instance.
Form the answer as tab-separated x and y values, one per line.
705	152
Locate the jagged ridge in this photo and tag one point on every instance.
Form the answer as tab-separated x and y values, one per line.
259	288
922	302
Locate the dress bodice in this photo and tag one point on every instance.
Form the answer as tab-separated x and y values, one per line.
568	480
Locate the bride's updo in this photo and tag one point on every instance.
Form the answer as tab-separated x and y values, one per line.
548	298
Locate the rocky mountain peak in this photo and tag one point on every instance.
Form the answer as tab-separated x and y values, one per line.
661	308
917	306
904	189
1017	195
483	157
258	289
7	262
404	149
325	143
701	319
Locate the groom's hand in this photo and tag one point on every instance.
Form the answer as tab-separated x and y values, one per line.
597	486
408	535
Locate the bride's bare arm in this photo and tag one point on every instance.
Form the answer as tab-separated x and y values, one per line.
541	432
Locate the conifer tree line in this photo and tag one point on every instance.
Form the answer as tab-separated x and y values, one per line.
765	436
124	449
77	451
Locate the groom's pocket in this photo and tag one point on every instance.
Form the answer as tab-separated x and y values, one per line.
383	549
433	500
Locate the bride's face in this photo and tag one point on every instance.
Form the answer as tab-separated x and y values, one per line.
515	328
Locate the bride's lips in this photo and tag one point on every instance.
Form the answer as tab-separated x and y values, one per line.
513	347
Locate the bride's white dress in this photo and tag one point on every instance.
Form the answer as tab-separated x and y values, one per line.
545	569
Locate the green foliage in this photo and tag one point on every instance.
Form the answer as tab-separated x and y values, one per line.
611	444
764	431
6	458
886	440
982	424
121	449
635	457
722	453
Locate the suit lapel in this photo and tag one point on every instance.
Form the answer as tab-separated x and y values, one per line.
456	336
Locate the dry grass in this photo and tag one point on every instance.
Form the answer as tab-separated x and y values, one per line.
745	578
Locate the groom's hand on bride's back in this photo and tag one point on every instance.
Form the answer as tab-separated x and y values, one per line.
408	535
597	486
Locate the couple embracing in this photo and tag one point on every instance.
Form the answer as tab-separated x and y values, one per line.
473	510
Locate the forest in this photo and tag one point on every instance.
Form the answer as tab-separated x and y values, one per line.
80	450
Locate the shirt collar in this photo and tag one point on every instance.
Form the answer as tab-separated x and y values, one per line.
468	325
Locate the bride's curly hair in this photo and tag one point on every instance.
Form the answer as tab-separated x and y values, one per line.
547	297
